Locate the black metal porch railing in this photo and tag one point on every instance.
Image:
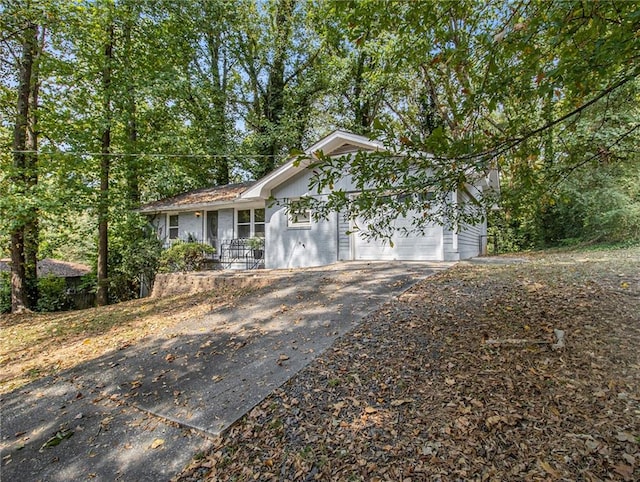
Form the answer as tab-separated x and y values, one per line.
241	251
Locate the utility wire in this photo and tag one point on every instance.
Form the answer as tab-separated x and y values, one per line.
142	154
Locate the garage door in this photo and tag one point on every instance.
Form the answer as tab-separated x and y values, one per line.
415	247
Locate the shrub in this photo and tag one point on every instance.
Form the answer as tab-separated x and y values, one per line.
183	256
134	251
52	294
5	292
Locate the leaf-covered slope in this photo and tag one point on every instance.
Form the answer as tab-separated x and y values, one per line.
457	380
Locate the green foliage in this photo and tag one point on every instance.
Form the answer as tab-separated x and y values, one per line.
52	294
600	205
589	190
255	243
5	292
134	254
534	87
183	256
547	91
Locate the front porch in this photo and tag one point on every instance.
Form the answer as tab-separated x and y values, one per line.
234	254
241	253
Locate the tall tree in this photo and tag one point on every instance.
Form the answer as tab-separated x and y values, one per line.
499	77
280	58
24	174
204	33
102	294
360	80
31	227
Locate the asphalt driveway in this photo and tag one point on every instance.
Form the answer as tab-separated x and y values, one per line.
143	412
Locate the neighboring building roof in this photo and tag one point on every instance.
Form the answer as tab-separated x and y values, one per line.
55	267
197	199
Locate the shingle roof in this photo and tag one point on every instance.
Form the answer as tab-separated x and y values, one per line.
191	199
55	267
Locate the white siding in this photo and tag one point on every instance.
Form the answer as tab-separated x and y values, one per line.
326	241
450	245
469	241
470	235
190	224
466	243
287	247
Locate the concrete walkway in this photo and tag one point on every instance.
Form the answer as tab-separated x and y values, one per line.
143	412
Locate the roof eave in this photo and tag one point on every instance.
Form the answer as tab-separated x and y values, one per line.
262	187
191	207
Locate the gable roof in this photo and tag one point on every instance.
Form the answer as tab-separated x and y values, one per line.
197	199
335	144
53	267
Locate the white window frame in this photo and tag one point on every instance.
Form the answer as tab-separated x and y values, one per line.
252	222
293	221
170	227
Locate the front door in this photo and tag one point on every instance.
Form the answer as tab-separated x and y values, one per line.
212	229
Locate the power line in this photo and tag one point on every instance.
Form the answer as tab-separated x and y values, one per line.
143	154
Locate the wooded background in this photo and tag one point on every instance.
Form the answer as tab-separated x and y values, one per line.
108	104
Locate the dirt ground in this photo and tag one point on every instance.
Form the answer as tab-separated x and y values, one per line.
459	380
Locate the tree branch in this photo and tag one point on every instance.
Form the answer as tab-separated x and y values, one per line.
509	144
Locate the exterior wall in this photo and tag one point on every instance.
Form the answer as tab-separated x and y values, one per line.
158	221
450	245
471	236
188	224
468	241
225	224
294	247
326	241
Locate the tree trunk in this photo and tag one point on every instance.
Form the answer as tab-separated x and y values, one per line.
19	300
32	228
218	101
132	163
273	103
102	294
361	118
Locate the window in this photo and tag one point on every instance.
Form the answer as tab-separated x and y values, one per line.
244	223
174	221
258	223
426	196
299	216
250	223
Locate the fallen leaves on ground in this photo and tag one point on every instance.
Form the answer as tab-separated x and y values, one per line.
415	392
35	345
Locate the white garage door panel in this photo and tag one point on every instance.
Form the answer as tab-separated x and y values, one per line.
427	247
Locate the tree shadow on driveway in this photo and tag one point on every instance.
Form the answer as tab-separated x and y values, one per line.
142	412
